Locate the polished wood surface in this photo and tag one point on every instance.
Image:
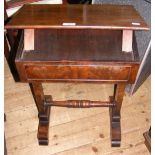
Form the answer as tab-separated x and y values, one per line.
36	70
115	114
66	56
83	73
78	16
11	38
82	51
74	131
43	112
93	43
80	103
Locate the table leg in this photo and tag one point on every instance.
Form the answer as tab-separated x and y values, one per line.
43	111
147	136
115	114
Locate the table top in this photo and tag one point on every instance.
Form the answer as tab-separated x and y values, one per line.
77	17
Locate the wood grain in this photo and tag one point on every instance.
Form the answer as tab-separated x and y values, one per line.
77	60
21	129
78	16
36	71
83	45
78	73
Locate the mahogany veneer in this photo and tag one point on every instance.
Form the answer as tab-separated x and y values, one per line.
84	16
77	43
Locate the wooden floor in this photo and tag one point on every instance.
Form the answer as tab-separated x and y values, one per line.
74	131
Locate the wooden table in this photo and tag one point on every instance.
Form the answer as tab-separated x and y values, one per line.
77	43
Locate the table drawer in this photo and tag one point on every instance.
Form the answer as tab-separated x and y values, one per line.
81	72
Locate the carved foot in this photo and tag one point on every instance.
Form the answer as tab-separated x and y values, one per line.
115	127
43	133
44	124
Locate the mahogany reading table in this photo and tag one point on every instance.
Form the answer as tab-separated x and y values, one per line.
77	43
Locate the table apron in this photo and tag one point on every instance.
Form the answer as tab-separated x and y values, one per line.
78	72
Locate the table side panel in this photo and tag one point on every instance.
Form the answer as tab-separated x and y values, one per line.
48	72
75	70
77	45
83	72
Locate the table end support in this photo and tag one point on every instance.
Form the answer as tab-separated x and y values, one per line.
43	127
115	127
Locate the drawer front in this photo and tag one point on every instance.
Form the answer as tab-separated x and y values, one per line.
78	72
